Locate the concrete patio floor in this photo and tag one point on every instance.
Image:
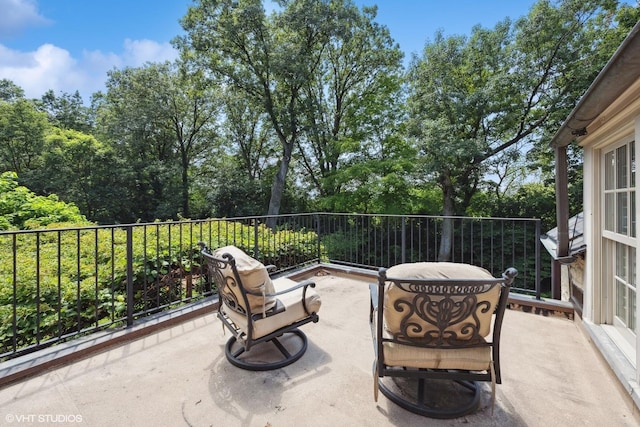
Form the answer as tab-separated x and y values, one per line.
552	376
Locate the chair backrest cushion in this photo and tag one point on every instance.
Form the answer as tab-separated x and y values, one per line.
254	277
451	314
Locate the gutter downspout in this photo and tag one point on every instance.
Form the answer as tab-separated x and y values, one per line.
562	202
562	219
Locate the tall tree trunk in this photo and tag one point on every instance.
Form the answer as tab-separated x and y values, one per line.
446	240
277	188
185	185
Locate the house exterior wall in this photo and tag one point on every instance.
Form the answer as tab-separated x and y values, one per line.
619	123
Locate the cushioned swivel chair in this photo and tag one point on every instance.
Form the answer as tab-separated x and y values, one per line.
258	310
436	329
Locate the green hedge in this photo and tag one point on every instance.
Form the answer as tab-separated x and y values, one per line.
76	281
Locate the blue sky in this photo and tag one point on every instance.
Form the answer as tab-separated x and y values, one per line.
69	45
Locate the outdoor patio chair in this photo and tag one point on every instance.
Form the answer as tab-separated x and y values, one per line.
436	331
258	310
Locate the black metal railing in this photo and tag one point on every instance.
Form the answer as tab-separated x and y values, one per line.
61	283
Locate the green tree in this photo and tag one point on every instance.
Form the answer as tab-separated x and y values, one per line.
304	65
81	170
67	111
248	135
233	178
473	99
268	60
20	208
161	119
9	91
352	103
22	132
377	180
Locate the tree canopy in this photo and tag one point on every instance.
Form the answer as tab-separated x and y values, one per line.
476	101
308	107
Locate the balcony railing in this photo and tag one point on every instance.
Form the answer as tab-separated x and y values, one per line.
56	284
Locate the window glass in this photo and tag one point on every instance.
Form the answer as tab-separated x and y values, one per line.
632	151
609	167
622	214
621	261
632	267
632	311
633	214
609	211
621	167
621	301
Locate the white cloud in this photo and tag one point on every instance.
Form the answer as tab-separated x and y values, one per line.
139	52
17	15
52	67
49	67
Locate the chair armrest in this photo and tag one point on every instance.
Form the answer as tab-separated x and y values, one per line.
373	290
303	284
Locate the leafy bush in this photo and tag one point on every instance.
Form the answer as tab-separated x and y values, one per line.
74	280
21	209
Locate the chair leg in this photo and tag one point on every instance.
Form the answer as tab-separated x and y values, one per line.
470	400
376	380
237	355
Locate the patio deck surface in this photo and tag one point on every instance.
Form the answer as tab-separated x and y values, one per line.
552	376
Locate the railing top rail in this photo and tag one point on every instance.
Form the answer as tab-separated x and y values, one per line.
257	217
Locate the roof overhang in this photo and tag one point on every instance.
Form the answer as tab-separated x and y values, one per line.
620	72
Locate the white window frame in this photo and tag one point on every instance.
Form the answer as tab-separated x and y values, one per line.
614	241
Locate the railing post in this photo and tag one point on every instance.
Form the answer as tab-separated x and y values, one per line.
130	293
318	251
403	238
538	257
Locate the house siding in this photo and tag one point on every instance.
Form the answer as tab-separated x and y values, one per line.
619	122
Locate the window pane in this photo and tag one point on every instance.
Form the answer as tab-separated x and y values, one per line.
621	261
609	168
633	214
632	268
632	311
609	211
632	289
621	167
621	213
621	301
632	150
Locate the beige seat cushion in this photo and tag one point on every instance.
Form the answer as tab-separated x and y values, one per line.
470	358
294	309
254	277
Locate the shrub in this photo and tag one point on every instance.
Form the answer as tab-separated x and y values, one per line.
73	280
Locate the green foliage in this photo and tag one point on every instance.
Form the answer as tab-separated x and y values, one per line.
75	280
531	200
9	91
22	209
323	73
22	132
67	111
233	194
160	124
473	99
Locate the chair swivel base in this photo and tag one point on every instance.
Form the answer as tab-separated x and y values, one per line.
262	358
470	400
